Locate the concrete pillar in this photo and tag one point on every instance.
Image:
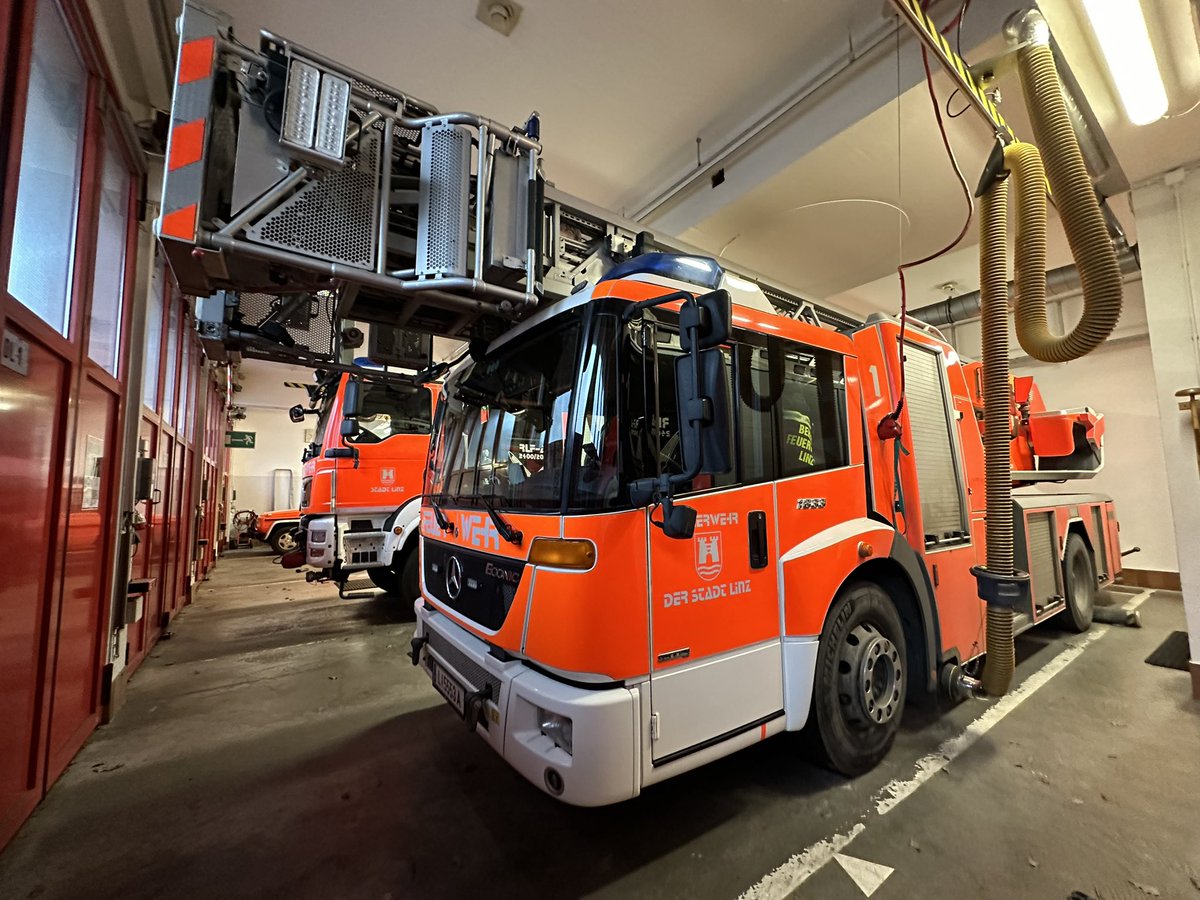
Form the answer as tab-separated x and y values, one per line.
1168	230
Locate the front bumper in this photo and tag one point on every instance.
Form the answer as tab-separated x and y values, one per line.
358	550
605	764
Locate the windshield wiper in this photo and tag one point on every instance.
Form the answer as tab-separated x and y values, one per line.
510	534
443	523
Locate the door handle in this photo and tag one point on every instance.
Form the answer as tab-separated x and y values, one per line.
757	522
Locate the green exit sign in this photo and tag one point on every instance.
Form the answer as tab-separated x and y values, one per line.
240	439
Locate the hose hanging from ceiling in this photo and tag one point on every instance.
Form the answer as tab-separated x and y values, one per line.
1001	585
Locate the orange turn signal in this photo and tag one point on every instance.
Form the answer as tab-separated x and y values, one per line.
562	553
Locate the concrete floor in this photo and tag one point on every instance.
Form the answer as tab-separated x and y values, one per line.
281	744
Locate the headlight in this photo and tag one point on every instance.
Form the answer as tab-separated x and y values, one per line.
317	535
555	727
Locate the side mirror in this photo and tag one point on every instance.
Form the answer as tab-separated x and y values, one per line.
704	412
351	400
296	413
710	317
349	428
678	521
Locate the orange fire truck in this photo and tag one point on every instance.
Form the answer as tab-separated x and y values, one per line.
825	574
361	481
670	510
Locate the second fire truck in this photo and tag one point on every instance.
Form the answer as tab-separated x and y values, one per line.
361	480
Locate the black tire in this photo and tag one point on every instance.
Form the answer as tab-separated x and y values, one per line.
399	581
410	574
283	539
861	680
385	579
1079	577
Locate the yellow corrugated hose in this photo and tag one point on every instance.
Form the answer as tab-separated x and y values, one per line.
1091	246
1100	275
1023	161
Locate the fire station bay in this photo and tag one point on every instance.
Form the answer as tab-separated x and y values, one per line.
527	449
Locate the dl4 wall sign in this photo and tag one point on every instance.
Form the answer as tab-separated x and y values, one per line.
240	439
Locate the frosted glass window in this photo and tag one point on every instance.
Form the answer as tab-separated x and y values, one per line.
43	238
185	379
154	327
108	283
171	363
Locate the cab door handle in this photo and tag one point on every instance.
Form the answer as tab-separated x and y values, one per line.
758	539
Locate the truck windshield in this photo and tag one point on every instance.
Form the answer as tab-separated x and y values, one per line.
389	409
505	424
551	415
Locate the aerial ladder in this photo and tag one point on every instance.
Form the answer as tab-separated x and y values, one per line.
303	198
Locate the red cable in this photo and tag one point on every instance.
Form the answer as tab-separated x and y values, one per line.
893	427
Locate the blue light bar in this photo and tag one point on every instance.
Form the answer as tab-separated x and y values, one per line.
701	271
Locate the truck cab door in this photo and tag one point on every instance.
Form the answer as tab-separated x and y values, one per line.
715	661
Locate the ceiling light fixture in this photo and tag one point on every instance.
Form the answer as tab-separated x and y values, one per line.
1120	28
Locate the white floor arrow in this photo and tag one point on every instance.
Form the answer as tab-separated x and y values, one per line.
867	875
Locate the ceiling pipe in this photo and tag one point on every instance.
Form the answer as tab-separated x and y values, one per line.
955	310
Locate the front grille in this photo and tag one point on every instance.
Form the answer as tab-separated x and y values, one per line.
476	675
487	587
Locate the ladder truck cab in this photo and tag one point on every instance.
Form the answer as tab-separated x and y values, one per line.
618	586
361	484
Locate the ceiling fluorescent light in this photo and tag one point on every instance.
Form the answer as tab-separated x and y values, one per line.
1120	28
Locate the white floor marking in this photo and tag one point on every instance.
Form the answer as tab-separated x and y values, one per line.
789	876
867	875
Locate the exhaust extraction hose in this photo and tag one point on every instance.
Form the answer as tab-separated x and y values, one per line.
1092	248
1100	273
1023	161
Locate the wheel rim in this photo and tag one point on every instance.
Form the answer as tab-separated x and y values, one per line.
870	675
286	542
1083	583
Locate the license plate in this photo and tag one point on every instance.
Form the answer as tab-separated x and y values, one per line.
448	687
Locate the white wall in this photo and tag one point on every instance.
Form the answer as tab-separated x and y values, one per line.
1168	218
278	441
1118	381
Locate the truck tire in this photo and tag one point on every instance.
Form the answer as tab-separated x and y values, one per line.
402	581
410	574
1079	580
283	539
385	579
860	683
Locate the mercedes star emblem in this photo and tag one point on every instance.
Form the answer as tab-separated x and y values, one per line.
454	577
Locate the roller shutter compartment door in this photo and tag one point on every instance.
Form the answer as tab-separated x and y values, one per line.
931	441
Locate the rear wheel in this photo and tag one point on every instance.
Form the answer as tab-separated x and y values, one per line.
1079	578
283	540
860	685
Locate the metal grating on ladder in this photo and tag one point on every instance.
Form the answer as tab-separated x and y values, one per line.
334	217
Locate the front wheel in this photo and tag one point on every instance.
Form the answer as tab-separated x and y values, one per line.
385	579
860	684
399	581
283	540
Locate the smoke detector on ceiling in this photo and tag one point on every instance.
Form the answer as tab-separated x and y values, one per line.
499	15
